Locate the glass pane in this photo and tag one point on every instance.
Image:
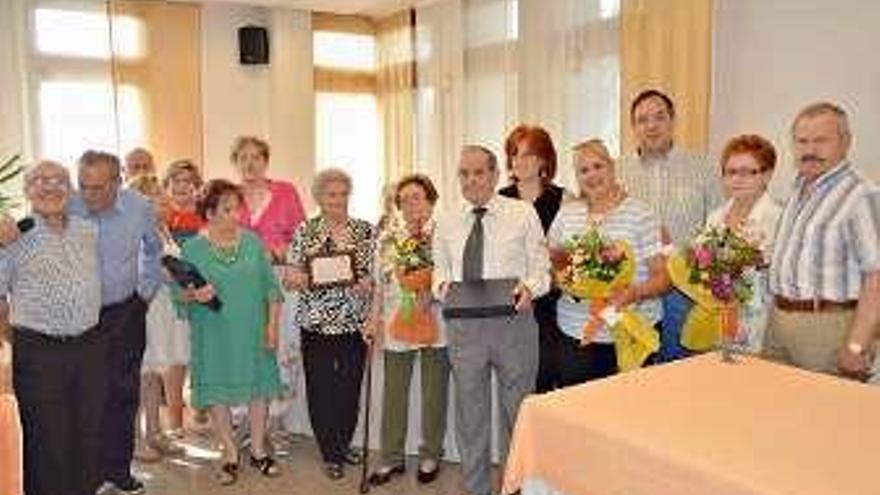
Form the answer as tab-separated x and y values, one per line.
348	137
345	51
73	33
75	116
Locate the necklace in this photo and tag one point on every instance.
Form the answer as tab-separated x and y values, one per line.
596	216
226	253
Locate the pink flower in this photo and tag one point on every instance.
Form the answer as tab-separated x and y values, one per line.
703	257
611	254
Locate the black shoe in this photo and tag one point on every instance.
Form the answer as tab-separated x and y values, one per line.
385	473
334	470
266	466
128	486
426	476
353	457
228	474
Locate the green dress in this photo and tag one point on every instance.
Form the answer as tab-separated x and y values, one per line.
230	363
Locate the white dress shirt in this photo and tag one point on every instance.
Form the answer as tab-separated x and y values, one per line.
513	245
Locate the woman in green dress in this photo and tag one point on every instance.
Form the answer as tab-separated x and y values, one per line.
233	349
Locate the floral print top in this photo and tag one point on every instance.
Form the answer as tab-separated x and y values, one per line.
340	309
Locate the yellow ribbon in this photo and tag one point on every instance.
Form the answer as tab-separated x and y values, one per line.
702	330
634	337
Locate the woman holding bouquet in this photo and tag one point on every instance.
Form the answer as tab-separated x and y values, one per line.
332	316
406	320
747	164
628	228
233	348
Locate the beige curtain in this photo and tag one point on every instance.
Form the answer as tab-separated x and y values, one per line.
167	76
667	45
395	91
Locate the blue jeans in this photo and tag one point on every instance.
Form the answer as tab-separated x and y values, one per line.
676	307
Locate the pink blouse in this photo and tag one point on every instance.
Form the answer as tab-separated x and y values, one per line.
278	221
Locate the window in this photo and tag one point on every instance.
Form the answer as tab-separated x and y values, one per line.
75	116
345	51
348	137
79	105
87	34
347	128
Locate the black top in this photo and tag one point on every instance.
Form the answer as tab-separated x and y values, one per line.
547	204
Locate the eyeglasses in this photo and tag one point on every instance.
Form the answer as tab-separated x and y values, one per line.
743	173
49	182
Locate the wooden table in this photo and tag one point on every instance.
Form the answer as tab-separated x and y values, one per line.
700	426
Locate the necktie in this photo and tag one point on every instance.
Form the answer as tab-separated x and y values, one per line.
472	262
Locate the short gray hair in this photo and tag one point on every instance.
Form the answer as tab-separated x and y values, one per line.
92	158
491	159
31	172
825	108
327	176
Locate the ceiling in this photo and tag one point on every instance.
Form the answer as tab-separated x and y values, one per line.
371	8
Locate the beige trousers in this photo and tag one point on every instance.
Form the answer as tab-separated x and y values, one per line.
807	340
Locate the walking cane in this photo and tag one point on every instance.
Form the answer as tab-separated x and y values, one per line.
365	484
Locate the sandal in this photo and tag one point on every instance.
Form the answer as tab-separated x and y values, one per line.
228	473
266	466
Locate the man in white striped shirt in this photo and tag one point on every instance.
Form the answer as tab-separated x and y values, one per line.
825	271
49	279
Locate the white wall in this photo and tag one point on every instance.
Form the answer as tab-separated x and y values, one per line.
773	57
275	102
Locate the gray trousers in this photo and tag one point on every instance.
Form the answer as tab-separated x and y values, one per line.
509	346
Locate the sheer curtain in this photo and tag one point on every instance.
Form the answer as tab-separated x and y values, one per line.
440	113
486	65
395	91
569	73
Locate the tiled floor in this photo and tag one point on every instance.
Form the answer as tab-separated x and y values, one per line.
301	474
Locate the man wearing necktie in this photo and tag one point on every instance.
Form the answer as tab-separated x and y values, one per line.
493	237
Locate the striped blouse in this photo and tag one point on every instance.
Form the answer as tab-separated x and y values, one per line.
632	221
828	238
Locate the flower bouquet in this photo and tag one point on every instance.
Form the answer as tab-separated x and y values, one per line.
409	259
714	272
591	267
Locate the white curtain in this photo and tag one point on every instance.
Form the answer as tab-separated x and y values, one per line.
569	73
13	128
439	123
486	65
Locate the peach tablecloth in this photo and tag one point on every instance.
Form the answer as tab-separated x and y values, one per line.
699	427
10	431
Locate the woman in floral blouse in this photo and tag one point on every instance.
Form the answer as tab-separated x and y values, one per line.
332	318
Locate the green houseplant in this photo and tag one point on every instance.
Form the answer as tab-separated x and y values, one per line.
9	170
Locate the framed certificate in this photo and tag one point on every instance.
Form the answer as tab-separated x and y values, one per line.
331	270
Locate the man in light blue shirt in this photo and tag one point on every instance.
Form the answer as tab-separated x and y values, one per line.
129	250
